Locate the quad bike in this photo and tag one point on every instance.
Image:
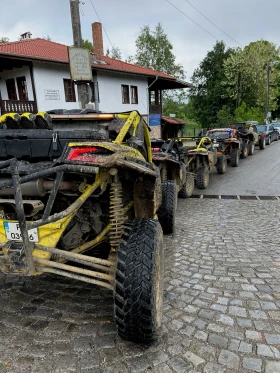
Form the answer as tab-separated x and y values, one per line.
249	134
201	156
228	142
172	161
83	189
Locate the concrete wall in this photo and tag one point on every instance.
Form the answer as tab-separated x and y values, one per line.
16	72
50	77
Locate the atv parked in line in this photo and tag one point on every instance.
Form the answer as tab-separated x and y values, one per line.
172	161
83	188
228	142
201	155
250	136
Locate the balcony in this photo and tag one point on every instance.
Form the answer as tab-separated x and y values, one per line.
15	106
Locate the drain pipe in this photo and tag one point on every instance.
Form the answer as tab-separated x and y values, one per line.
95	87
148	101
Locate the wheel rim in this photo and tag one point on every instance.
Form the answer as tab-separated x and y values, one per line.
252	148
206	177
245	151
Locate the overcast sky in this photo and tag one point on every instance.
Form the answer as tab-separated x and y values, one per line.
243	20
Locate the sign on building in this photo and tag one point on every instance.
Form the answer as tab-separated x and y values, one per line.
154	119
52	94
80	66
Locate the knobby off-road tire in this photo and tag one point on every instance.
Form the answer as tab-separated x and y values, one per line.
251	148
187	188
262	143
235	158
221	164
245	151
167	211
202	177
139	281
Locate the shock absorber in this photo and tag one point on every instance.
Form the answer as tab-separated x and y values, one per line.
116	212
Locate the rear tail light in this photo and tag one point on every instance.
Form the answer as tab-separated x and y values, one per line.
156	149
88	154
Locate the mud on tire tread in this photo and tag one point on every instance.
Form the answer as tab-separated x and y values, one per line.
187	188
166	212
139	271
234	160
202	177
221	164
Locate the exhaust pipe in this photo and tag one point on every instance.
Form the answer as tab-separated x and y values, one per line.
30	208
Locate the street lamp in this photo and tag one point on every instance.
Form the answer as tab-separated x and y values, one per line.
268	70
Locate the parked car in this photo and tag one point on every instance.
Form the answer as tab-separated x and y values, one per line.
276	125
268	132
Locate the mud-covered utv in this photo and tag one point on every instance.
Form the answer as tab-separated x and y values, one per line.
83	189
172	161
250	136
229	143
201	156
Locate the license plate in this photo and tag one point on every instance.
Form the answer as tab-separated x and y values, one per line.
13	232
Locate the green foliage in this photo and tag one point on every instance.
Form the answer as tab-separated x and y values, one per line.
154	50
182	109
224	117
246	75
114	53
244	113
207	94
3	39
87	45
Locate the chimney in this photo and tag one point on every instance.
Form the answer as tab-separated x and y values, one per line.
97	40
26	35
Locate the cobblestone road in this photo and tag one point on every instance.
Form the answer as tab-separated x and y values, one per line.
221	314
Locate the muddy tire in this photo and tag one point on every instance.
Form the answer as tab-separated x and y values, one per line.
138	295
167	211
251	148
245	151
221	164
187	188
234	158
202	177
262	143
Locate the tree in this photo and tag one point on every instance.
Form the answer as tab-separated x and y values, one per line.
246	75
154	50
244	113
207	94
224	117
114	53
87	45
3	39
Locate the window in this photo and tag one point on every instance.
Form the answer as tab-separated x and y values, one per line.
125	94
22	88
134	94
11	89
69	90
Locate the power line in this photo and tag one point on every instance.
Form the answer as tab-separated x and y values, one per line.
213	23
101	23
192	20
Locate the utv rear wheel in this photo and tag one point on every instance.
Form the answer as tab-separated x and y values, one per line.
245	151
167	210
187	188
139	281
251	148
202	177
235	158
262	143
221	164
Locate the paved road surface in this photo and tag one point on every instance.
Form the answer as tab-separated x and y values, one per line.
221	300
256	175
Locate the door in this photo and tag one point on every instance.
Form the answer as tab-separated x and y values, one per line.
11	89
22	88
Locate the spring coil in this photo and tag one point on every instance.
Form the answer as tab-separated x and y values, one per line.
164	173
116	214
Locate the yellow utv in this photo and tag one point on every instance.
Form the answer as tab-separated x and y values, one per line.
83	189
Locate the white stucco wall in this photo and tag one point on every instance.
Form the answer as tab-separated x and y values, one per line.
15	73
50	76
110	92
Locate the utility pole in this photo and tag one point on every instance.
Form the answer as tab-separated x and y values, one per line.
78	43
268	68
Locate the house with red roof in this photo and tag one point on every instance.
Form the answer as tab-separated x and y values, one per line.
35	76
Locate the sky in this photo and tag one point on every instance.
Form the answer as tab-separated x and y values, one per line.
243	20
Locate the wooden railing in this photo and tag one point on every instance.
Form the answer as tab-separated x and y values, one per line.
14	106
